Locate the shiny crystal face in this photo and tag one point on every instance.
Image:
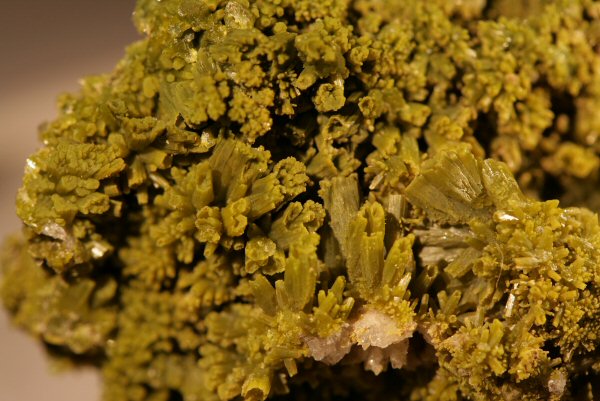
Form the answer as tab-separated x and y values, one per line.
300	199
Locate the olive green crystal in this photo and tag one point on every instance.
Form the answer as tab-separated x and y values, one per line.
325	200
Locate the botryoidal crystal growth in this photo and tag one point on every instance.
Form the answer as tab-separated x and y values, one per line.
324	200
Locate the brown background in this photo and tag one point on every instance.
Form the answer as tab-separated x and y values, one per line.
45	47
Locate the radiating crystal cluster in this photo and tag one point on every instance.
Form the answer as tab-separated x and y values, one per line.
332	199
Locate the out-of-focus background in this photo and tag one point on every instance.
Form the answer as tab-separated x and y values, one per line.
46	46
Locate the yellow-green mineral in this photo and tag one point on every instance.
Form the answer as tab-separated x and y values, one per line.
325	200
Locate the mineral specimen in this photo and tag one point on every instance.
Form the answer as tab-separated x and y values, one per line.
325	199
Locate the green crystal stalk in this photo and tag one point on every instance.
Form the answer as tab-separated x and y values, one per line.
334	199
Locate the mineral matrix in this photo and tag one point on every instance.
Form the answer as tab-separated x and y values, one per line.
334	199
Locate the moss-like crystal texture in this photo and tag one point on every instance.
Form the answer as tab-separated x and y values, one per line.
325	200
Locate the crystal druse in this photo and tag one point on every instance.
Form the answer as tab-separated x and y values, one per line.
325	199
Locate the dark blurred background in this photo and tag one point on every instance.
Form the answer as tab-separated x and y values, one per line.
46	46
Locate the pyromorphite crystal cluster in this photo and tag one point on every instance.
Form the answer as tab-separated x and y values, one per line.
325	199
